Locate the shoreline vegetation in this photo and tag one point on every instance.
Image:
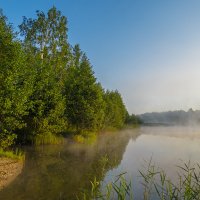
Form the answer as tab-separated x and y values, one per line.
48	88
12	154
48	91
155	183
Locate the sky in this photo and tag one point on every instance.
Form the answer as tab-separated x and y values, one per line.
149	50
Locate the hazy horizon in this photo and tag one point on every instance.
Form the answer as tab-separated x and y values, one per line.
148	50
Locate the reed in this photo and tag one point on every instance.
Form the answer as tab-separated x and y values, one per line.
156	185
85	137
16	154
47	138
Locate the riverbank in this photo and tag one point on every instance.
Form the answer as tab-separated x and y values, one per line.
9	170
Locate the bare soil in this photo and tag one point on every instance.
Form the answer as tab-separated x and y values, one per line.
9	170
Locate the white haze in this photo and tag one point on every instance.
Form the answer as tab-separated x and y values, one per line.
163	90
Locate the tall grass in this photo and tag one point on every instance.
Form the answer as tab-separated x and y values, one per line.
187	185
85	137
155	183
119	189
47	138
16	154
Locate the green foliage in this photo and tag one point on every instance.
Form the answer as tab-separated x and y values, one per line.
46	36
186	187
47	87
47	138
119	189
17	154
7	138
84	96
115	111
15	85
85	137
46	40
156	185
132	120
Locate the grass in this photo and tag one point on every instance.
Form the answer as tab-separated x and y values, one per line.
120	189
85	137
155	183
110	129
16	155
47	138
186	187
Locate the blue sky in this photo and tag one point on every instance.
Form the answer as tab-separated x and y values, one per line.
147	49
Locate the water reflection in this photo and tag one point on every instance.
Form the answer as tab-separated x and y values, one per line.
166	146
61	171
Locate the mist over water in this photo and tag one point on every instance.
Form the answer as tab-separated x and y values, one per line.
177	117
61	172
165	147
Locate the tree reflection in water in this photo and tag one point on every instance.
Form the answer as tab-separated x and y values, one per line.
63	171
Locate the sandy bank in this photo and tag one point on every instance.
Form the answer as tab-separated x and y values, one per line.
9	170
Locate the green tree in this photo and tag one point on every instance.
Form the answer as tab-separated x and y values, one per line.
15	84
132	120
115	111
84	96
45	41
47	86
46	35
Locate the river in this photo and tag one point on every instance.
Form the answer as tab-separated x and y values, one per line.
54	172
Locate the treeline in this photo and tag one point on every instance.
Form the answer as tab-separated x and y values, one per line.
178	117
47	86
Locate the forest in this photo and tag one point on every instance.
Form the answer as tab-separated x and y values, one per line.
48	87
178	117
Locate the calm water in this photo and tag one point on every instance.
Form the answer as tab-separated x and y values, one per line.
63	171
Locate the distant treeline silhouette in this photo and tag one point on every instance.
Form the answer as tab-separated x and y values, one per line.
178	117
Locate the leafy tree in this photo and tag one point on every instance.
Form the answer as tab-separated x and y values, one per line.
132	119
45	40
84	96
46	86
15	84
46	35
115	111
